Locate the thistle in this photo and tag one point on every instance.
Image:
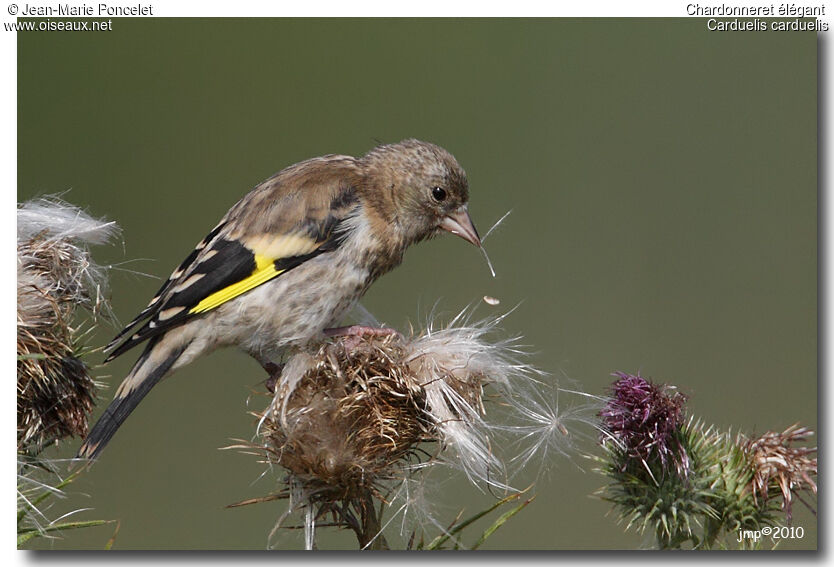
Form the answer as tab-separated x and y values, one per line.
780	467
55	277
645	419
356	423
56	280
688	483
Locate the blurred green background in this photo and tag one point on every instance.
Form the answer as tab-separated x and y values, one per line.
663	182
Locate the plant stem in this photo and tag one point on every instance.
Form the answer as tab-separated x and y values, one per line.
369	534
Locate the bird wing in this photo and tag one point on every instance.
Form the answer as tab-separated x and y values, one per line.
289	219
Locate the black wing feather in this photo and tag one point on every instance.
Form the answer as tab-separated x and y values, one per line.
230	263
155	305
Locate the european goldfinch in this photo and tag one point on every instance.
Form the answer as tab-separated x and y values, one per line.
289	260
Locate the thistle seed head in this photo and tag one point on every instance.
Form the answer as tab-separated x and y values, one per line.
55	275
780	467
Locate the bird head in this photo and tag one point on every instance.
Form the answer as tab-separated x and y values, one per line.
419	190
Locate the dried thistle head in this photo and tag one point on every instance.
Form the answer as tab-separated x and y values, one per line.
55	275
353	419
350	416
645	418
781	468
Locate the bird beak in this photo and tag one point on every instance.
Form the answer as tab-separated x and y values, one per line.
459	223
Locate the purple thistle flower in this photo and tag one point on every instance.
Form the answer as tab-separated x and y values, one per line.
645	417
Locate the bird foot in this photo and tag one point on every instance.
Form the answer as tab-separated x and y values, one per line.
274	370
355	334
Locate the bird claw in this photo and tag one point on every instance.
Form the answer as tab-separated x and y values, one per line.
274	370
355	333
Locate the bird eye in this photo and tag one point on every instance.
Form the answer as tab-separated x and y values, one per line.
438	193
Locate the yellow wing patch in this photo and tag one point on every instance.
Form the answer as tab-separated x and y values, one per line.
267	248
264	271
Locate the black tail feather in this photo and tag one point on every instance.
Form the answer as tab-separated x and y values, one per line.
120	408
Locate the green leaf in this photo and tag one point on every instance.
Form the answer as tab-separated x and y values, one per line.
443	538
32	356
26	507
109	545
26	535
501	521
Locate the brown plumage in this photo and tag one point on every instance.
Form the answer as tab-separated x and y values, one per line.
289	260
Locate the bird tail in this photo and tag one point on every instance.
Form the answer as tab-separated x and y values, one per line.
156	361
